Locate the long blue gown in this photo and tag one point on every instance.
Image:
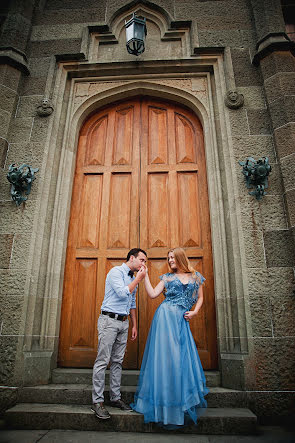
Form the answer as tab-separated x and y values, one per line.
172	383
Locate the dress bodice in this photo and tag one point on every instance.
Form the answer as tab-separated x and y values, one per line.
179	293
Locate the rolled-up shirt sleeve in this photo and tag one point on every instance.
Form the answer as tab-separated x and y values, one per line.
116	282
133	301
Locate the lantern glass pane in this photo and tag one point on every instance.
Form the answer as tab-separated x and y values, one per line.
130	32
138	31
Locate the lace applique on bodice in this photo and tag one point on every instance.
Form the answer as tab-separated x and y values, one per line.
179	293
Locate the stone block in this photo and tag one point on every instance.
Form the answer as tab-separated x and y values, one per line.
16	219
53	47
8	99
259	122
290	206
55	31
279	248
8	349
254	146
271	407
39	130
283	314
20	252
221	22
232	371
11	314
245	73
280	84
282	111
254	248
33	86
20	130
288	171
3	151
239	123
71	4
4	123
229	37
273	212
15	31
10	77
261	320
278	61
270	281
274	363
8	398
12	282
29	153
37	367
6	241
285	140
275	182
27	106
254	97
80	15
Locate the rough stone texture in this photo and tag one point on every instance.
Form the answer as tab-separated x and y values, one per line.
279	61
3	151
239	122
79	15
8	346
280	84
16	219
20	130
254	248
8	398
6	241
229	37
269	281
53	47
10	314
34	84
261	316
283	312
254	146
254	97
39	129
290	205
272	407
4	123
30	153
9	77
259	123
282	111
288	171
279	248
275	359
245	73
27	106
273	213
285	140
8	99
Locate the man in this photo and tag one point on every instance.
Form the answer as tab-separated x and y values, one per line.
113	323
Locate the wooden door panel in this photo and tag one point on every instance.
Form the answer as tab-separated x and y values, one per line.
152	150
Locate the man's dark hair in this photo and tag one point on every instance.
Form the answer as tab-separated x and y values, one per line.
135	252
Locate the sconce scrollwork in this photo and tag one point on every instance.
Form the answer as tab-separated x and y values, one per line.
256	175
21	179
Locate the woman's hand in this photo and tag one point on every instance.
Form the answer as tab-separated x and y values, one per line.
188	315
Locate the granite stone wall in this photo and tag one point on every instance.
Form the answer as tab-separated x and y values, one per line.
37	37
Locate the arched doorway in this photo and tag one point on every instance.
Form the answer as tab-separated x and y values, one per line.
140	180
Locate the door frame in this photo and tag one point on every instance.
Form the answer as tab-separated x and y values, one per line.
231	290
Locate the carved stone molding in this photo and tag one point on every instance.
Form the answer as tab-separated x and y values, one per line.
233	100
45	107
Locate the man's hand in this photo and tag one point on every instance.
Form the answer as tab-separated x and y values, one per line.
141	274
133	333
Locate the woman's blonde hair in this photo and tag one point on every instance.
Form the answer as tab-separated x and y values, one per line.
181	260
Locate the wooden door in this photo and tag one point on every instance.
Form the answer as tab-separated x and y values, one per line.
140	181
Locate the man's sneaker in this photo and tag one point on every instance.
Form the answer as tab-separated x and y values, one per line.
100	411
121	405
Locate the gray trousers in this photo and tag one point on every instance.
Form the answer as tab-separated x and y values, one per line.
112	340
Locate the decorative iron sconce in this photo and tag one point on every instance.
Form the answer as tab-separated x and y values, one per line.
256	175
21	180
135	34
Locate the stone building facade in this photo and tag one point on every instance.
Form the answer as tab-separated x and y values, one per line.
196	52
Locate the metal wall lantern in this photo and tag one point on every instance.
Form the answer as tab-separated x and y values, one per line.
135	34
256	175
21	180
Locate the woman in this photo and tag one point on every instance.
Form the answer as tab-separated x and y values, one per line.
172	383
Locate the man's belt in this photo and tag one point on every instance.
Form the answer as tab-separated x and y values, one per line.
116	316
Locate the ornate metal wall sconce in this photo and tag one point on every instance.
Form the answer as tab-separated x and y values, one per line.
135	34
21	180
256	175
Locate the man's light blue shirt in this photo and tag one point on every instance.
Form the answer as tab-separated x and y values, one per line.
118	298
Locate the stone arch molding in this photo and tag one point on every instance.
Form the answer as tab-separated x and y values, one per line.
229	321
162	33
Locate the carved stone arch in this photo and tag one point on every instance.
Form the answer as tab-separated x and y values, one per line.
168	36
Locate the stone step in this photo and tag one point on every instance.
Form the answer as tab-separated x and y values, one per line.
81	395
80	417
129	377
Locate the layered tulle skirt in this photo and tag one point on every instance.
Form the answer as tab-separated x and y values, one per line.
172	383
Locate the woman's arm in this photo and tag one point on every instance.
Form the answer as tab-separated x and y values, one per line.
190	314
153	292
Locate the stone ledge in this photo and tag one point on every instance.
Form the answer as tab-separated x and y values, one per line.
270	43
12	57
